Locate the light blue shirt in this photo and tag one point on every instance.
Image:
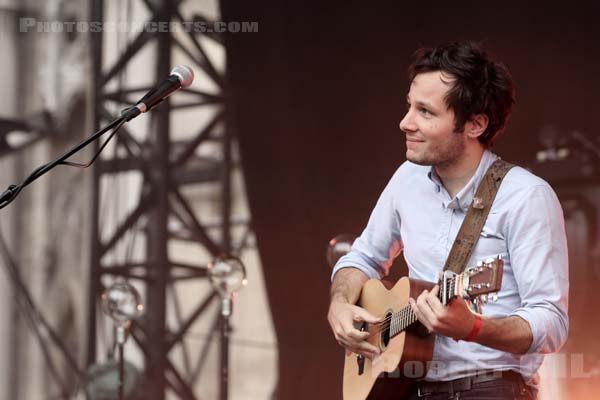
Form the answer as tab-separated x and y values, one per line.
416	215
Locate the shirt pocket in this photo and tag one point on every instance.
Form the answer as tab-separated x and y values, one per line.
491	239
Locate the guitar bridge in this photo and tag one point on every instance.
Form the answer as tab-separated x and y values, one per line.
360	360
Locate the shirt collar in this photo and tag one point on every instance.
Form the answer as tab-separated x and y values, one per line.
464	198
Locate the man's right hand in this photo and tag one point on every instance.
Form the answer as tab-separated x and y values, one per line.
342	316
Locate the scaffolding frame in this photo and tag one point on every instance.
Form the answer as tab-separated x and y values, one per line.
166	166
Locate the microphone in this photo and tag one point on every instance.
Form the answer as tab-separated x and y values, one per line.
181	76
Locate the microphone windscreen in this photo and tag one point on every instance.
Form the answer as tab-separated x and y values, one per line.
185	75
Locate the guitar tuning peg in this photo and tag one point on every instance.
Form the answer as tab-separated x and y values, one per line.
484	298
479	263
495	297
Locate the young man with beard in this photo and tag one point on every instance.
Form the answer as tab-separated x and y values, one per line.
458	102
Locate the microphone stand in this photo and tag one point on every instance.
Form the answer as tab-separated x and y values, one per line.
121	338
226	308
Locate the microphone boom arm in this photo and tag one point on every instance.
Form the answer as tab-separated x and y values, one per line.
13	190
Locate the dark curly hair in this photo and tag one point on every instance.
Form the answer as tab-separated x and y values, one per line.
481	85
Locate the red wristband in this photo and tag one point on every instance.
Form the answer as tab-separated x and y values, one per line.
476	328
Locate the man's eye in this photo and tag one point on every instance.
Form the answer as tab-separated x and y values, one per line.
424	111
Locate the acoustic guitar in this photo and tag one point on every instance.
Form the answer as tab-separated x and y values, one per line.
406	346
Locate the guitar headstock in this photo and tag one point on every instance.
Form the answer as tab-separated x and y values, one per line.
482	279
474	284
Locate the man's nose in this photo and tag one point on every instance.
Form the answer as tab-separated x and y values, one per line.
407	124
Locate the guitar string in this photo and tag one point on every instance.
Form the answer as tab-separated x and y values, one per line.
403	318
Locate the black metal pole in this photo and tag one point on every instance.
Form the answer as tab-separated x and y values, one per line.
225	314
157	233
121	373
96	14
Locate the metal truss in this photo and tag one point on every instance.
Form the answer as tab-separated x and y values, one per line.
169	168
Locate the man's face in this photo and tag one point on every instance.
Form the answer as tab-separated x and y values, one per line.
429	123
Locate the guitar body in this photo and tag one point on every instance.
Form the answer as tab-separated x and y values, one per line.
406	347
389	376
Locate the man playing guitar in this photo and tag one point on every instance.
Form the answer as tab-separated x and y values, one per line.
458	102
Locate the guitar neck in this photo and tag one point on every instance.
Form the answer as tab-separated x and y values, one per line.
401	320
484	278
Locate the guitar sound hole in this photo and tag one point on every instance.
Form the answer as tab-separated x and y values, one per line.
385	332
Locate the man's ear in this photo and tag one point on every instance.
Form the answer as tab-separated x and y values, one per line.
476	125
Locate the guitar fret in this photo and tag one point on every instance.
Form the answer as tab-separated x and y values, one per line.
400	322
404	318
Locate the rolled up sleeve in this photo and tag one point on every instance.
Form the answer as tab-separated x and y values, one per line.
374	251
537	247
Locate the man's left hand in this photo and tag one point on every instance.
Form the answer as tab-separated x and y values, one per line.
454	320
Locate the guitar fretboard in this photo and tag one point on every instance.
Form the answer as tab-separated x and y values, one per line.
404	318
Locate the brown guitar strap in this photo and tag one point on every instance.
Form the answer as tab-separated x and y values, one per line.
476	215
